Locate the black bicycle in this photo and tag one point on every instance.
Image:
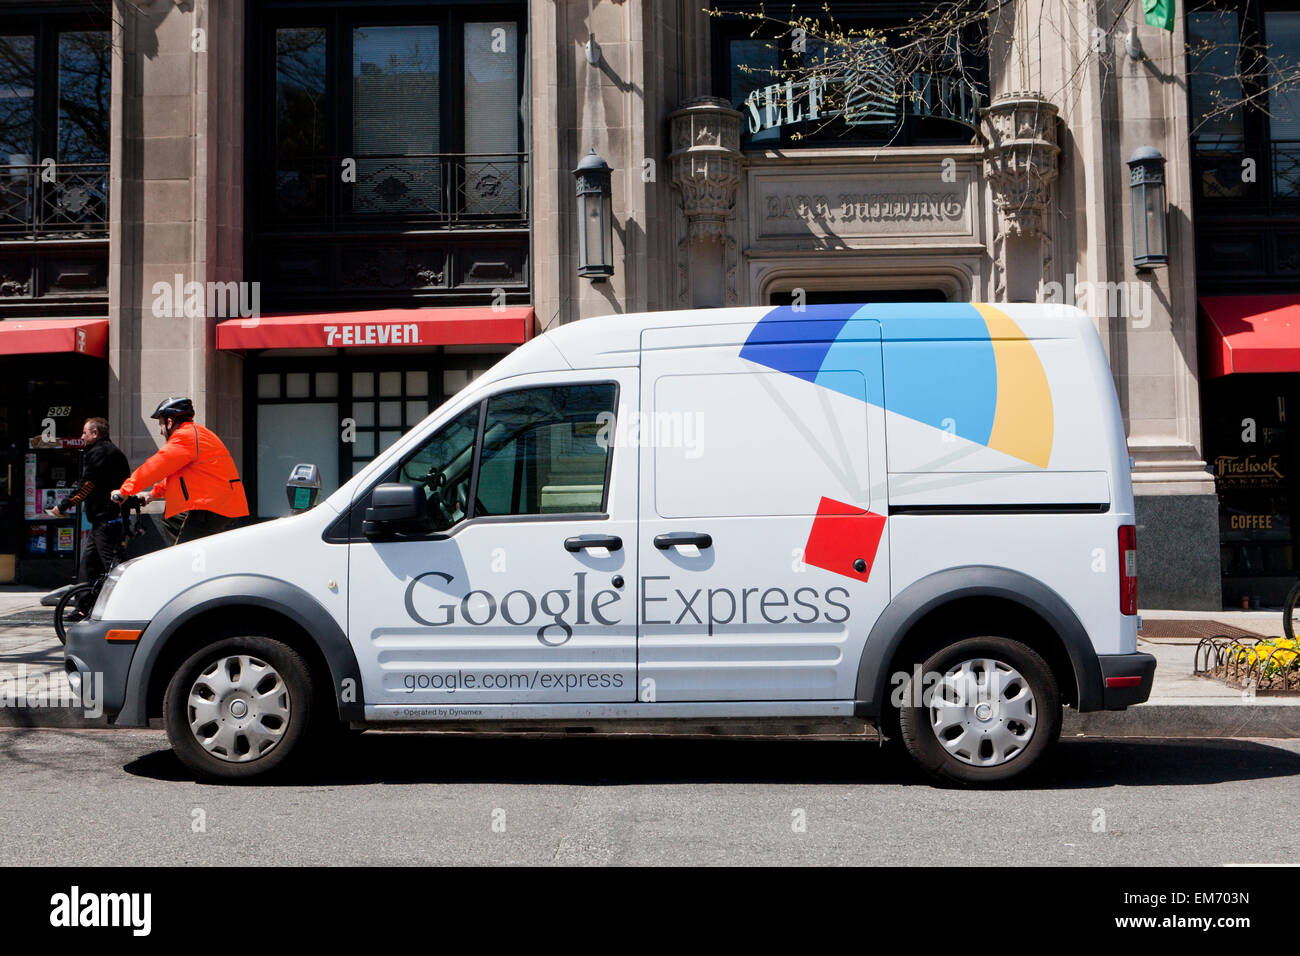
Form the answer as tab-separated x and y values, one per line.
76	604
1292	602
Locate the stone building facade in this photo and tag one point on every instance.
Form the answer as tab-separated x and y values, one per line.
209	180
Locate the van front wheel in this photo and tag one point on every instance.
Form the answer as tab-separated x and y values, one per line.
238	708
990	708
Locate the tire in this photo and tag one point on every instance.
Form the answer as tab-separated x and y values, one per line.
258	693
75	606
1288	610
966	735
887	726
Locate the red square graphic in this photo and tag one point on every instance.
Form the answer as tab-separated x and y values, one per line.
842	534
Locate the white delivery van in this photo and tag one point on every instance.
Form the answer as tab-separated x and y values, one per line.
913	516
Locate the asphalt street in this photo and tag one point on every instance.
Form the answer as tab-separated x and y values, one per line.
104	797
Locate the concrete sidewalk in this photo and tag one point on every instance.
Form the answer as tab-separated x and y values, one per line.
31	665
1184	705
1181	705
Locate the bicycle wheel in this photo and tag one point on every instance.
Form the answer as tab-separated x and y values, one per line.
1288	611
73	607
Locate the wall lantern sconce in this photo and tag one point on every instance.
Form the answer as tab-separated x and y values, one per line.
1146	180
595	219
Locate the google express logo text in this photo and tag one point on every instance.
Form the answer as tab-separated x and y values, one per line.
555	613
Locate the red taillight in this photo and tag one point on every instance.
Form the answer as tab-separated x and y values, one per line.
1128	575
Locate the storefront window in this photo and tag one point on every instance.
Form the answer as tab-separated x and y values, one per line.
384	406
43	402
1249	444
339	418
289	434
295	427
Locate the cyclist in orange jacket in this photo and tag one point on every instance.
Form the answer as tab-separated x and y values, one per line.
193	471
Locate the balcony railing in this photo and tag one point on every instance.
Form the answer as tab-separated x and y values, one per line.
54	201
1285	168
432	190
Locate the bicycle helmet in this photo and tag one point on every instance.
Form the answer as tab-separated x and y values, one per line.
181	409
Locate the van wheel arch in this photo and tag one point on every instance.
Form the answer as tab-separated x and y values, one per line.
962	602
218	623
976	616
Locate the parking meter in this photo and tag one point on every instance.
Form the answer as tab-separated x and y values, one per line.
302	488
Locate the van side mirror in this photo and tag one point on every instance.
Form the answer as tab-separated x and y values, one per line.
396	508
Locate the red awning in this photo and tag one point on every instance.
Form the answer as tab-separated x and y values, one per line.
1251	333
384	328
36	336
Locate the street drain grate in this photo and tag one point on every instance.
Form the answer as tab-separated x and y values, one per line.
1192	631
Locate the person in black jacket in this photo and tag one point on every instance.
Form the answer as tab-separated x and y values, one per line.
104	468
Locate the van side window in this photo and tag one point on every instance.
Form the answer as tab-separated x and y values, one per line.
442	466
546	451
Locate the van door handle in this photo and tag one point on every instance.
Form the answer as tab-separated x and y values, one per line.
676	538
611	541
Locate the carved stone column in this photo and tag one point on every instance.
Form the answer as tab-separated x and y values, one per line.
706	164
1020	165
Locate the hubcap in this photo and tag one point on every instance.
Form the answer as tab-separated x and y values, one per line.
983	712
239	708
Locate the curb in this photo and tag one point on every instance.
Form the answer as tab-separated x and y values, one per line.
1280	719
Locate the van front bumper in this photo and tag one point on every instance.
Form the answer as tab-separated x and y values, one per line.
97	668
1126	679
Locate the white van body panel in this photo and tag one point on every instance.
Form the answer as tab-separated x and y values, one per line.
768	455
288	549
1076	555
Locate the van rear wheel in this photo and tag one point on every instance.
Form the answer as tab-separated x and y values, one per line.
238	708
990	709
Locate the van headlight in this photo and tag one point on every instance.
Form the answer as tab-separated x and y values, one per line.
97	614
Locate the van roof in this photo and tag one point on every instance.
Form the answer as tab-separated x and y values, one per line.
615	340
